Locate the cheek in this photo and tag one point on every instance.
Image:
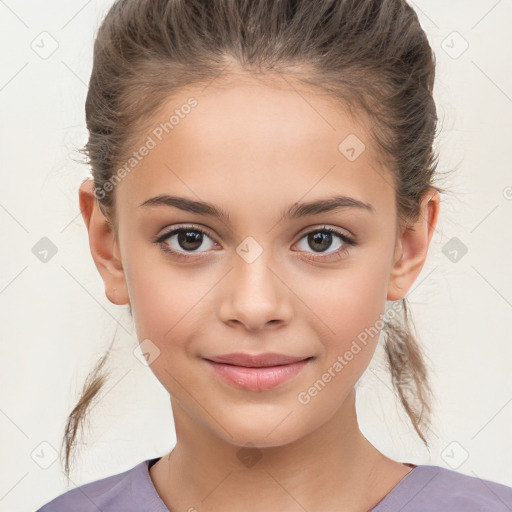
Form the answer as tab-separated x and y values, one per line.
169	309
345	303
165	316
348	312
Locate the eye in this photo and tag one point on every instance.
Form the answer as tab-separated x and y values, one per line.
322	239
186	239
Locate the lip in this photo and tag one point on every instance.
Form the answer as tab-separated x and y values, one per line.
256	360
256	372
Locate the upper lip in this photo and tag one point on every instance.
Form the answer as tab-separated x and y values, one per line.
256	360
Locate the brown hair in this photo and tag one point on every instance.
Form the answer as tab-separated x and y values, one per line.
368	54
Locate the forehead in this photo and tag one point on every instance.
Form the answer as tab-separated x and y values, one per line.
252	137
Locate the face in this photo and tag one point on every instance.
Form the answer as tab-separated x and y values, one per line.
268	276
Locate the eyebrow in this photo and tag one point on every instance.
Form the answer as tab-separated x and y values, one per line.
294	211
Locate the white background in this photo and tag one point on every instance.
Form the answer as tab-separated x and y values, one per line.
56	321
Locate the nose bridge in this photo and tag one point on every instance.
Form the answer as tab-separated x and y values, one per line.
254	295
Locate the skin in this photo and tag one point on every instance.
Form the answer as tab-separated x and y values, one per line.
253	148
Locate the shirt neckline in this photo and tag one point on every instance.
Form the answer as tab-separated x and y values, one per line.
392	498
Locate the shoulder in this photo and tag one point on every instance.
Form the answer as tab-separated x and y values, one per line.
129	491
429	487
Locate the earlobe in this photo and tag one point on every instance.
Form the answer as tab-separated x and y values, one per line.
103	245
413	245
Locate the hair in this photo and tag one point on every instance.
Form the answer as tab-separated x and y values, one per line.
368	55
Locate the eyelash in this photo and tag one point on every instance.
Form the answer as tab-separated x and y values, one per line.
338	254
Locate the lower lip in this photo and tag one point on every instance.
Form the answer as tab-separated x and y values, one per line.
257	379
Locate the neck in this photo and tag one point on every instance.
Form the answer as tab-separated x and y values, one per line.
332	465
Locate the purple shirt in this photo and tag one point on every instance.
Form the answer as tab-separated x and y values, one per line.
424	489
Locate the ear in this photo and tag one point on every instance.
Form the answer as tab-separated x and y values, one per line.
412	246
103	245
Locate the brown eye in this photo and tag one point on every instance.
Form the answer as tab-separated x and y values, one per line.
189	240
183	240
322	240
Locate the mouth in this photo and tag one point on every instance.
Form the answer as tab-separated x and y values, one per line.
256	360
256	372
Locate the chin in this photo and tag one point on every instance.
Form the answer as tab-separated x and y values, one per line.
259	431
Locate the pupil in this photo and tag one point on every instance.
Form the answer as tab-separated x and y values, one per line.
324	239
190	237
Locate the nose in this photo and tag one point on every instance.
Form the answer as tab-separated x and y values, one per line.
254	295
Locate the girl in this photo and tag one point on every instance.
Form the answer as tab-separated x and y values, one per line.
228	139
